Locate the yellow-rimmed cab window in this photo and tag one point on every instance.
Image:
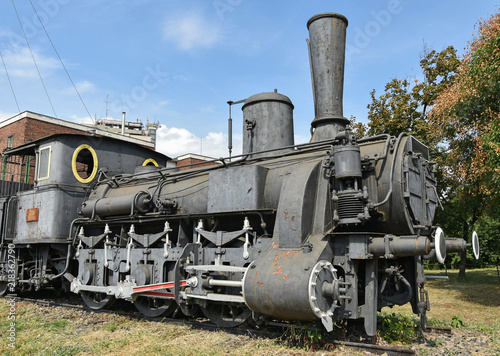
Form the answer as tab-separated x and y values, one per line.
84	163
150	162
44	163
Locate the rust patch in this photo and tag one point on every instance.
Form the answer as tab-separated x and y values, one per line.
275	244
276	257
32	215
285	276
278	271
293	218
288	253
286	214
260	283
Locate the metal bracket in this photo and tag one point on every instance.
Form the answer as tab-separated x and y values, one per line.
92	241
146	240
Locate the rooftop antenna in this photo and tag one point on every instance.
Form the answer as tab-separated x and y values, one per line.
107	102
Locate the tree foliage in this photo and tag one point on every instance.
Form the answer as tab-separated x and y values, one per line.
403	107
358	128
455	110
467	116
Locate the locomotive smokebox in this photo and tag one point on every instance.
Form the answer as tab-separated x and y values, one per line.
327	32
267	123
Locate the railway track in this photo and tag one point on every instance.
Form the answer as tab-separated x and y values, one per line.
271	331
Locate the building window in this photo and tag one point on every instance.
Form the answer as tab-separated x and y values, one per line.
44	163
10	141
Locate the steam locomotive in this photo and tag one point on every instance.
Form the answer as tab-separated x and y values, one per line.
333	229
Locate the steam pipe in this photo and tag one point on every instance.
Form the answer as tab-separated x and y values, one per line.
68	254
230	126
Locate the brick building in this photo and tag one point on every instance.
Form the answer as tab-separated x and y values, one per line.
28	126
192	160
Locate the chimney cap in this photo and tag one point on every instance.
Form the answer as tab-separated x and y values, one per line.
327	14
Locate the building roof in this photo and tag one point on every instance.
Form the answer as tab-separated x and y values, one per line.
28	147
195	156
76	126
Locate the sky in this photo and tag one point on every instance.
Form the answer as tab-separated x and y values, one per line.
179	62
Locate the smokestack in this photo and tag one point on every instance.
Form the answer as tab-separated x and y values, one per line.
327	33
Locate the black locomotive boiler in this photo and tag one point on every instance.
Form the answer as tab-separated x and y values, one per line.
333	229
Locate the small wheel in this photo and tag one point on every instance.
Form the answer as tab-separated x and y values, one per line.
96	301
227	315
154	307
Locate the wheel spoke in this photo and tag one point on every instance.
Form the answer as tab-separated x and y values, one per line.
96	300
227	316
154	307
3	288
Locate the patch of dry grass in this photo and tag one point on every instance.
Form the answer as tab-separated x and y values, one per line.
475	299
44	330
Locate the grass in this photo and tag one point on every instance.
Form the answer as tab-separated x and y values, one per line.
470	303
473	302
56	331
474	299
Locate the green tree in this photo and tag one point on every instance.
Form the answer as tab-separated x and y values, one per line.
404	105
487	228
358	128
467	117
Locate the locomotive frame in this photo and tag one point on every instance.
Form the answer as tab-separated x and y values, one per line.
333	229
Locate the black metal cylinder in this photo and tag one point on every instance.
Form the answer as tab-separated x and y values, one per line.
399	246
327	33
347	161
267	123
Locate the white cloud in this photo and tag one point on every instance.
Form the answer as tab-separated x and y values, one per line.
300	139
6	115
174	141
19	63
191	31
85	86
81	120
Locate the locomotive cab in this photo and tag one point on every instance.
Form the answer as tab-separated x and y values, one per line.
65	166
44	183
